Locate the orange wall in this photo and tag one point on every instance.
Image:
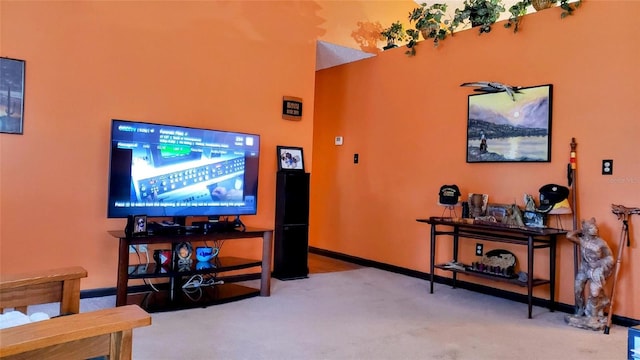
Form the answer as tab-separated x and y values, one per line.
406	118
357	23
223	65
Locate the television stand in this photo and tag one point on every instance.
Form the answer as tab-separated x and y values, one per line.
180	220
168	294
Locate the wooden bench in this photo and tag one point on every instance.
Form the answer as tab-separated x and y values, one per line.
107	332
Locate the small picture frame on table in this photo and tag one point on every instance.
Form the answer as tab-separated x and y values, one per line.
290	158
136	225
478	204
498	211
533	219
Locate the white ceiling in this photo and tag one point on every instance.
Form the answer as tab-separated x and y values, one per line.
329	55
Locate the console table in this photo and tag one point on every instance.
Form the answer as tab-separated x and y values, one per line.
532	238
172	297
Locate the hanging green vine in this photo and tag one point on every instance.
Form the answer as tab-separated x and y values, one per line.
569	8
393	33
430	21
518	10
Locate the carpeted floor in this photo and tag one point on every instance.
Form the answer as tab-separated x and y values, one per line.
371	314
368	314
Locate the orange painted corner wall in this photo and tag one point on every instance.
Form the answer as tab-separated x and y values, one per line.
357	24
406	119
220	65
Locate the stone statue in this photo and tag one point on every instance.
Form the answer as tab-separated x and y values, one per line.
595	267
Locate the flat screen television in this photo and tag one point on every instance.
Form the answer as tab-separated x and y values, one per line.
167	170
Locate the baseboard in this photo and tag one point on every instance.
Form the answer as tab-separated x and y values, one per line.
566	308
93	293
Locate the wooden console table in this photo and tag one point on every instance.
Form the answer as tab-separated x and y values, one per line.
533	238
173	298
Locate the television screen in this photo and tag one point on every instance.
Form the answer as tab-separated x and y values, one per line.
166	170
502	128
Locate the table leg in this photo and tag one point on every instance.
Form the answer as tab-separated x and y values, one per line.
174	264
530	273
432	253
455	253
123	276
552	273
265	278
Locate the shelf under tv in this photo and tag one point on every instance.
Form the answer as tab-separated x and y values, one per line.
217	265
162	300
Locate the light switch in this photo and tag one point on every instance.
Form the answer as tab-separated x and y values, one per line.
338	140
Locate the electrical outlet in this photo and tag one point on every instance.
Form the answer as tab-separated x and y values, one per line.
141	248
607	167
479	249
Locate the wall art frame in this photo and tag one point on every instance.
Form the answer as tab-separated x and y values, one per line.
505	129
11	95
290	158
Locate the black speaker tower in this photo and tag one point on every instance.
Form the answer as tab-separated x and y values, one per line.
291	237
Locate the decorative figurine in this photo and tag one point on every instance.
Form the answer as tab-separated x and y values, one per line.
529	203
595	267
492	87
513	216
183	254
623	213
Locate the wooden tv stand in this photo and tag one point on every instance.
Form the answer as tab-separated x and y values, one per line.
532	238
170	295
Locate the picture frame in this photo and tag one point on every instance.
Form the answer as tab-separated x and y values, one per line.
136	226
505	129
498	211
139	225
290	158
11	95
477	204
533	219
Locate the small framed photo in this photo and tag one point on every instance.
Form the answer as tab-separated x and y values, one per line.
290	158
498	211
533	219
478	204
136	225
